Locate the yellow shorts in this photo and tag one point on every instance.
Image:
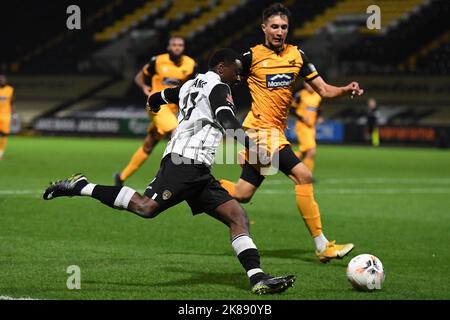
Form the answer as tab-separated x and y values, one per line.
5	123
164	121
306	136
272	140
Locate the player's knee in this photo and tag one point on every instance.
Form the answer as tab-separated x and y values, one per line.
147	209
147	150
306	176
148	147
243	195
310	153
243	198
301	174
150	142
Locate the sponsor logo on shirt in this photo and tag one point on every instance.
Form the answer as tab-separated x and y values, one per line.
280	80
171	81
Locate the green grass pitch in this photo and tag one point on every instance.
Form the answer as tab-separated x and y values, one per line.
391	202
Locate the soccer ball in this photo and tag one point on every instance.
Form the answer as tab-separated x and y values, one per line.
365	272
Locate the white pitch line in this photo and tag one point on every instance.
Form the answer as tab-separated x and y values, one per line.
19	192
32	192
365	191
370	181
319	189
12	298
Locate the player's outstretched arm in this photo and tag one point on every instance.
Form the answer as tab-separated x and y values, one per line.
166	96
221	102
328	91
228	121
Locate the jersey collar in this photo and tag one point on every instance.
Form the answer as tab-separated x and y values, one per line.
277	53
214	75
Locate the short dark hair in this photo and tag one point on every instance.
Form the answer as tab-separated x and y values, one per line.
175	37
276	9
225	55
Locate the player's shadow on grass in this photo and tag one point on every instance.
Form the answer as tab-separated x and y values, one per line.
233	279
296	254
306	255
287	254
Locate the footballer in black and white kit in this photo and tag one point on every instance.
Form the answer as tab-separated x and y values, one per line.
185	168
206	110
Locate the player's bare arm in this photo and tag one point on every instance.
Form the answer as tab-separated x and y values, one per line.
139	79
328	91
12	104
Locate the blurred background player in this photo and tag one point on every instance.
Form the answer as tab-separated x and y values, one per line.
6	109
372	122
165	70
271	69
307	111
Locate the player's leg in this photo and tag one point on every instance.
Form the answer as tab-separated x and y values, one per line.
308	207
375	136
5	121
137	160
299	134
308	146
233	215
168	188
308	158
163	122
3	141
112	196
246	186
250	178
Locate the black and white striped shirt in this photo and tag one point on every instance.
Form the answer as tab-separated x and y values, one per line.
199	134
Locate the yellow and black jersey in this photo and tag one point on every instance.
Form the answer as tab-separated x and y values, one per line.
270	77
165	73
6	99
307	106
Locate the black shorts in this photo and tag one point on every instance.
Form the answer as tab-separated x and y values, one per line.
287	161
188	181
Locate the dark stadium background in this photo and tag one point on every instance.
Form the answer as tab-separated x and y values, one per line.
78	110
64	78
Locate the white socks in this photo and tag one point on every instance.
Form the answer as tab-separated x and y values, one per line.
124	197
321	242
87	190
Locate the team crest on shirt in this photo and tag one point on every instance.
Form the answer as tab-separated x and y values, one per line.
292	62
279	80
166	194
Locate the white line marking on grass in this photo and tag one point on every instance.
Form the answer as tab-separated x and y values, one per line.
32	192
322	182
18	192
371	181
365	191
12	298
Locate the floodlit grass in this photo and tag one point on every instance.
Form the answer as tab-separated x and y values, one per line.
390	202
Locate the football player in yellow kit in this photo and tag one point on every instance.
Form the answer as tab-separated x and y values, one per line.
6	110
271	69
166	71
307	111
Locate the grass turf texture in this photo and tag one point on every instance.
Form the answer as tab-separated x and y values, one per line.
390	202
